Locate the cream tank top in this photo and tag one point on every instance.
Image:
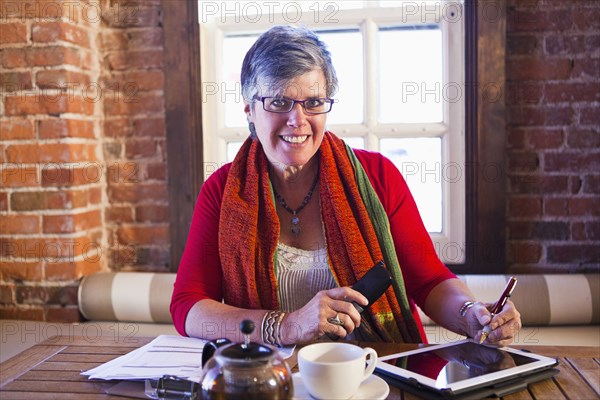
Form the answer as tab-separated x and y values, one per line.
300	275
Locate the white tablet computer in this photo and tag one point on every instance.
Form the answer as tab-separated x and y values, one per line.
454	368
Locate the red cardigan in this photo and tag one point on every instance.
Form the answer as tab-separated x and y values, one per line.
199	275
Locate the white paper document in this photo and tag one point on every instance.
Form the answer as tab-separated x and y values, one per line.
166	355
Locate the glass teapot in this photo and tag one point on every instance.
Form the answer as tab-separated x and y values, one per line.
244	371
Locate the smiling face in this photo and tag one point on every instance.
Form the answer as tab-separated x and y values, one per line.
291	138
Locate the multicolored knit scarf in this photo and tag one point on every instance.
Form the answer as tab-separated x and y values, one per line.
357	234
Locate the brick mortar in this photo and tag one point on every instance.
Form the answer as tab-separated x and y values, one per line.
99	108
90	72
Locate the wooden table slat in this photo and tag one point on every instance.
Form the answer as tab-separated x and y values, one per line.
82	357
563	351
91	386
65	366
546	390
16	366
404	396
35	375
101	341
116	350
588	368
520	395
57	395
571	383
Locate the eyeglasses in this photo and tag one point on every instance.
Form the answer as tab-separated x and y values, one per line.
284	105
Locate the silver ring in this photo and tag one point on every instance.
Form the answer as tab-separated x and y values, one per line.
335	320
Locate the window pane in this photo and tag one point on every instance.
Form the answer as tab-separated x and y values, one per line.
328	6
355	142
253	11
428	5
345	47
229	91
391	3
410	74
232	150
420	162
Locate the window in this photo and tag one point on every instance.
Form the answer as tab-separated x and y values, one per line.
401	68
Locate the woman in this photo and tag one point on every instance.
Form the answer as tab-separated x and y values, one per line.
279	235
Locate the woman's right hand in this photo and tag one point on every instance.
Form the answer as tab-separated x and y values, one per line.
311	321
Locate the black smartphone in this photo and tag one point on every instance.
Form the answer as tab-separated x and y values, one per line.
373	284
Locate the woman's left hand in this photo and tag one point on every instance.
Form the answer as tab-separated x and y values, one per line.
504	326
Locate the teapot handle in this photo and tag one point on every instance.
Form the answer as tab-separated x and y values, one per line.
211	347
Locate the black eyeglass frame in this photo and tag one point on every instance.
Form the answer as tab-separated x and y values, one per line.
327	100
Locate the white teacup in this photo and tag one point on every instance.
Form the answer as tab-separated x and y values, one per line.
335	370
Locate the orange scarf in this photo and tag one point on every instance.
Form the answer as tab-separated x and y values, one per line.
249	233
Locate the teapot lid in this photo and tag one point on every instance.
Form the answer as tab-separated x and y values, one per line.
247	350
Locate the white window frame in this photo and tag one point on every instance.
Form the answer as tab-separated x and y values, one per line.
450	243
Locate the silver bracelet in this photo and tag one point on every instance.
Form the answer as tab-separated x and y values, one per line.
271	327
262	327
465	307
278	330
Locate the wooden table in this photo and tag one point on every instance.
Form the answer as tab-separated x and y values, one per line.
51	370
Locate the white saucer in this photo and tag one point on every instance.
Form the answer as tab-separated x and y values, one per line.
373	388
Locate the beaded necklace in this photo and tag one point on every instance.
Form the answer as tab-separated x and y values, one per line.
295	219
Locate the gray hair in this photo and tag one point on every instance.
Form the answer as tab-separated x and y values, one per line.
281	54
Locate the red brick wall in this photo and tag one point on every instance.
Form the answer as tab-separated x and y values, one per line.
553	120
136	218
83	175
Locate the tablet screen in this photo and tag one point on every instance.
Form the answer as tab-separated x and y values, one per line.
466	360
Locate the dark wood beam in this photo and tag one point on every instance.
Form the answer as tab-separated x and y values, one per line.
183	118
485	138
